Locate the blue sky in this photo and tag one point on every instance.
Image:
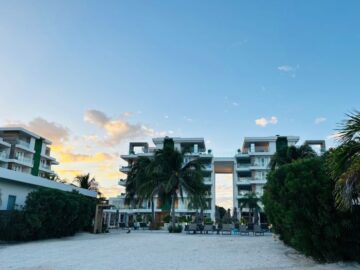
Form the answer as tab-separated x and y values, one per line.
182	68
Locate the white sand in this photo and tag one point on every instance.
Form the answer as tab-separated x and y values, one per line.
157	250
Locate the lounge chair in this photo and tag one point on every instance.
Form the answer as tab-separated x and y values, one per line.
208	228
227	228
192	228
258	230
243	229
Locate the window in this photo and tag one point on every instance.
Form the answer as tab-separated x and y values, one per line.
11	202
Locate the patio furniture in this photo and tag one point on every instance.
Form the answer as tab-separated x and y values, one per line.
258	230
143	225
208	228
227	228
122	225
192	228
243	229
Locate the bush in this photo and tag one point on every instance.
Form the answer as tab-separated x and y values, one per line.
208	221
167	219
49	213
176	229
299	203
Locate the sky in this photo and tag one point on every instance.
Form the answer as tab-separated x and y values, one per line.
94	75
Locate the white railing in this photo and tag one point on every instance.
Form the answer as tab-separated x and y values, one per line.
24	144
3	154
25	160
46	167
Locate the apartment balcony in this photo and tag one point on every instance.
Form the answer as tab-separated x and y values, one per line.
122	182
207	181
243	167
243	180
4	156
242	194
3	143
46	168
24	146
25	161
125	169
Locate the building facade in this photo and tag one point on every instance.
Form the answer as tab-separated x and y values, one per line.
26	152
25	165
249	168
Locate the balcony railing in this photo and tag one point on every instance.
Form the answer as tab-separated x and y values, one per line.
23	143
25	160
3	154
45	166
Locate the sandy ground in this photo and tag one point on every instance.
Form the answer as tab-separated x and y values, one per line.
157	250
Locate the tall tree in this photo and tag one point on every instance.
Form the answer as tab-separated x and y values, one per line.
250	201
288	154
344	163
179	176
84	181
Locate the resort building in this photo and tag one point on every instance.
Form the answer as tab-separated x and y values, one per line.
25	165
249	168
26	152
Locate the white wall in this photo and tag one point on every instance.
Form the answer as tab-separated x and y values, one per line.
12	188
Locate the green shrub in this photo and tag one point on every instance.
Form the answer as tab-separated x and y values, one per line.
167	219
182	219
299	203
208	221
49	213
176	229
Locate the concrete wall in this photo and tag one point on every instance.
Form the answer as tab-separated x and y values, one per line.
12	188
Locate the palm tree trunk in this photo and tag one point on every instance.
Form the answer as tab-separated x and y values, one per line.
173	210
152	213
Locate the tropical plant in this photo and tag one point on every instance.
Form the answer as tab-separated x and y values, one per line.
299	203
179	176
84	181
250	201
287	154
344	163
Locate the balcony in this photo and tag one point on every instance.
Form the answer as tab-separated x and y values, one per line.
125	169
207	180
207	167
243	167
4	155
24	161
122	182
24	145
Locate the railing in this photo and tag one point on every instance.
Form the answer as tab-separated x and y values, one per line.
22	143
46	167
3	154
125	168
207	180
243	166
25	159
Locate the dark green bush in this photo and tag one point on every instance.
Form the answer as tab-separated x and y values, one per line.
48	213
176	229
299	203
167	219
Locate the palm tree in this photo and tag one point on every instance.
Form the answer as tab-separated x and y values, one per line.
85	182
289	154
178	176
344	163
250	201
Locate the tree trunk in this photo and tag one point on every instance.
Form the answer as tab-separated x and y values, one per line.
173	210
153	213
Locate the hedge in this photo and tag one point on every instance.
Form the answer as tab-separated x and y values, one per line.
48	213
299	202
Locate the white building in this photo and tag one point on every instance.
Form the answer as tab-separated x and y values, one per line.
249	168
25	163
193	147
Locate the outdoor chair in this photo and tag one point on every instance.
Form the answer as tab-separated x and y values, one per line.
258	230
192	228
208	228
243	229
227	228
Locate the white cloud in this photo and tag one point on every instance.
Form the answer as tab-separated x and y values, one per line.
286	68
118	129
166	116
235	104
188	119
319	120
49	130
263	122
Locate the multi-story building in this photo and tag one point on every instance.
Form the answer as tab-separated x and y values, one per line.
26	152
249	168
193	148
25	163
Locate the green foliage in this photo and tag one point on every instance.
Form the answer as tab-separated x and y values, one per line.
182	219
176	228
49	213
208	221
167	219
299	202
